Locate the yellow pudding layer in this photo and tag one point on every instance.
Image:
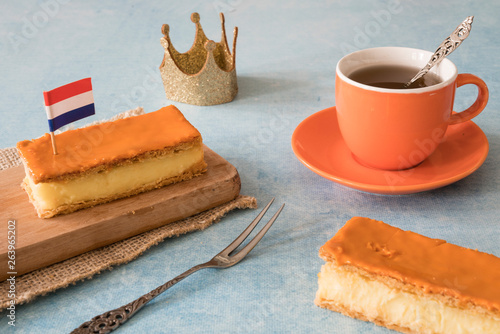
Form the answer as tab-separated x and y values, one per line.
113	182
359	296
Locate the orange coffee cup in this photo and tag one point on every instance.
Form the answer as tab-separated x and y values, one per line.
396	129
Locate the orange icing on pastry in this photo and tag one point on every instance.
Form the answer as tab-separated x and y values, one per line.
107	143
433	265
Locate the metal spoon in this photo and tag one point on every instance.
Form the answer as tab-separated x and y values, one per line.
447	46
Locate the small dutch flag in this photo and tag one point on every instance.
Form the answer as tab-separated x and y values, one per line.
67	104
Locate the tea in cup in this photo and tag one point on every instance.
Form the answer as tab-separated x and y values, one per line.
387	126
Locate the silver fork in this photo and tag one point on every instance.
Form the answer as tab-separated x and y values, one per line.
110	320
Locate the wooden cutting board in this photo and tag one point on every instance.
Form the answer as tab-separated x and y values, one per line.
41	242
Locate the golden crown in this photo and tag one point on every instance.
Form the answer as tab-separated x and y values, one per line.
206	74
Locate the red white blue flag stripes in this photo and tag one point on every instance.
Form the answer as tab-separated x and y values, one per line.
69	103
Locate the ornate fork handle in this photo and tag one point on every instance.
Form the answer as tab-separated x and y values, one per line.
110	320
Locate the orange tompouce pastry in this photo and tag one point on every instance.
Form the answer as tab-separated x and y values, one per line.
408	282
111	160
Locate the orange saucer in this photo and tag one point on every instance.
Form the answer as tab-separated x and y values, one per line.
318	144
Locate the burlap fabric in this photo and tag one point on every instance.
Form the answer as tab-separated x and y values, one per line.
85	266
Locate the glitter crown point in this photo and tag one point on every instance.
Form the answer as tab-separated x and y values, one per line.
205	74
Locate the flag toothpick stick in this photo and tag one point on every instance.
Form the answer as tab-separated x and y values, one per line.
54	148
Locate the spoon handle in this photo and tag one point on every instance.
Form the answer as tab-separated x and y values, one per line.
447	46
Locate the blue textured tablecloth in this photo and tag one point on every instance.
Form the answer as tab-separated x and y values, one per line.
286	56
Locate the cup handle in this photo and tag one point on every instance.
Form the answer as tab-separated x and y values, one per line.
478	105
